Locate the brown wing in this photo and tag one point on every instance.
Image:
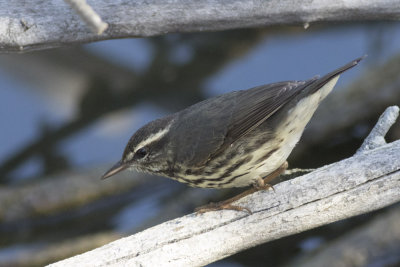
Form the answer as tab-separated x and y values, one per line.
256	105
207	128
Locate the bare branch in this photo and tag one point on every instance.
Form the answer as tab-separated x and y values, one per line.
365	182
377	136
44	24
87	13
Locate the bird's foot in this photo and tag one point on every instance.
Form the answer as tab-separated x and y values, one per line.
227	204
263	183
260	185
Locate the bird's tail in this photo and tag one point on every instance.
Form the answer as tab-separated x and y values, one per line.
320	82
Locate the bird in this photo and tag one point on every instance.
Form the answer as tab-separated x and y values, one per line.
238	139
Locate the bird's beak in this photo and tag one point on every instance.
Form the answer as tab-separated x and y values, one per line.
120	166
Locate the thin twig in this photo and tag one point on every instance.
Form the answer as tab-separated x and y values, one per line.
86	12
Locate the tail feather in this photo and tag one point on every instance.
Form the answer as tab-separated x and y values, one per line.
328	77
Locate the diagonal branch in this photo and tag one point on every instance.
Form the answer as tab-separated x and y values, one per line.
377	136
45	24
365	182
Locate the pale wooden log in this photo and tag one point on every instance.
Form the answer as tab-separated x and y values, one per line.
365	182
43	24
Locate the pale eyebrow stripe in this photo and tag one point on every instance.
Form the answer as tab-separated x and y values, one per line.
150	139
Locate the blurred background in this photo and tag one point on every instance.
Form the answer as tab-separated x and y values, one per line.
66	115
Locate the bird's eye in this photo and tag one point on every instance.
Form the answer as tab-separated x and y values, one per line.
141	152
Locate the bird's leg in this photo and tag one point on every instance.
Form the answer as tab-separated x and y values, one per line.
262	184
226	204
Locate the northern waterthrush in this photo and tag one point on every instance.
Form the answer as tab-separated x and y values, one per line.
232	140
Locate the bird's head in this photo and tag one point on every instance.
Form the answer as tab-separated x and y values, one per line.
147	149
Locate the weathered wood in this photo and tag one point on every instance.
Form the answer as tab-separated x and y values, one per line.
365	182
43	24
376	138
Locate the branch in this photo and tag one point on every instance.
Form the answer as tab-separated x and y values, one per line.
377	136
46	24
365	182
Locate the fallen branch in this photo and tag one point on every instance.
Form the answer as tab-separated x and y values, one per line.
46	24
365	182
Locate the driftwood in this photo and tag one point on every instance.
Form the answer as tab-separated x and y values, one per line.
45	24
367	181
